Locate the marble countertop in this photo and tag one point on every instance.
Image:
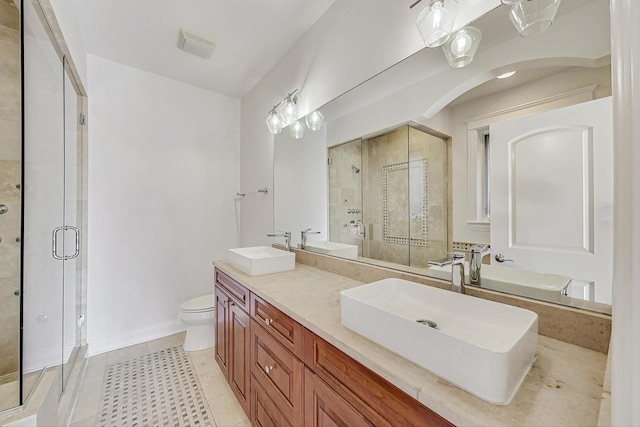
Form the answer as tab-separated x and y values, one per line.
563	388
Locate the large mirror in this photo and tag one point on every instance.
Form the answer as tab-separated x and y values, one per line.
424	160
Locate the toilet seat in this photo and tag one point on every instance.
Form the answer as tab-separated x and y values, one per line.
199	304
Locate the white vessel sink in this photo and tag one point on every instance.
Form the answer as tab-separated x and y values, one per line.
484	347
258	260
544	286
341	250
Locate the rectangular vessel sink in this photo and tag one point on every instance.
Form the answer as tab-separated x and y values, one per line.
341	250
543	286
258	260
484	347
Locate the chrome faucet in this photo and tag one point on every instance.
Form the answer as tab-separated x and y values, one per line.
475	262
303	237
457	272
287	238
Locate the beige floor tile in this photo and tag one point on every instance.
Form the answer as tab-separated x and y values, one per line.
205	363
166	342
87	422
88	403
213	384
226	410
127	353
245	423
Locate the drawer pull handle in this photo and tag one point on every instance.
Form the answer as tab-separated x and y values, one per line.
231	303
268	321
268	369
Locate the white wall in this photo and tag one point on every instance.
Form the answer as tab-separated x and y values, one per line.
163	172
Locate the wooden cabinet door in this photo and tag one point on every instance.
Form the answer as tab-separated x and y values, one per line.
325	408
239	342
222	335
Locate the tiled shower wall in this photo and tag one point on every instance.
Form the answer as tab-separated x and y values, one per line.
405	197
10	177
345	191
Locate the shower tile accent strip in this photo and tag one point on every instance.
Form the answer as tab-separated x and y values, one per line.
159	388
396	225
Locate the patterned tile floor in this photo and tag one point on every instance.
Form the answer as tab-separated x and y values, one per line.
223	405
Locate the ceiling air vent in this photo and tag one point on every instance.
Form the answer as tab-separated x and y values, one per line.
195	44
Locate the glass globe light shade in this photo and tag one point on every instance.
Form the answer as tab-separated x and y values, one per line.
510	2
531	17
289	111
296	129
435	22
462	46
314	120
275	122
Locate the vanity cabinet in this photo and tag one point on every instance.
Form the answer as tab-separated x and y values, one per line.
356	388
285	375
277	392
232	336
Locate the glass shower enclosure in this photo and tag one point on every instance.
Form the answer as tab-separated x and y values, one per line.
41	172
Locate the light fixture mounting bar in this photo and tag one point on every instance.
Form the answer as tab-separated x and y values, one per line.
415	3
286	98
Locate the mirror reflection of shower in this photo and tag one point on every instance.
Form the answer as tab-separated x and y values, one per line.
398	194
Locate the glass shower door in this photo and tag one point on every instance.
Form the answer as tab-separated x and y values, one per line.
43	196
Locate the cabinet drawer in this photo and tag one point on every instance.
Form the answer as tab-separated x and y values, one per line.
282	327
278	371
265	413
324	407
364	389
238	293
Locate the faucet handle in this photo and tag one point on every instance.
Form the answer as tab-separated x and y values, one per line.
457	256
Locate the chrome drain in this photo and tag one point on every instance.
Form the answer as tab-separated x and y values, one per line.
427	322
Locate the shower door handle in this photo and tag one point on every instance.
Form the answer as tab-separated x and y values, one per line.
77	239
54	242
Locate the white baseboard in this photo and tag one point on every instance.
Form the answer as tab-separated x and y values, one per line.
136	336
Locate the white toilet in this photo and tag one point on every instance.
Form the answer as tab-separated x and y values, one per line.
199	315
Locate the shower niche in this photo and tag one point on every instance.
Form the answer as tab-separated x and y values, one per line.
388	195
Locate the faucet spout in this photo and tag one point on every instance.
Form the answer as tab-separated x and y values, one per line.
287	238
303	237
457	273
475	263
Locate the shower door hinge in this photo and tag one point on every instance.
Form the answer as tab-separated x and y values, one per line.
329	161
83	119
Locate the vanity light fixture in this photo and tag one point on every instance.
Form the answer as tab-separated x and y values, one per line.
296	129
314	120
531	17
505	75
436	20
283	113
461	47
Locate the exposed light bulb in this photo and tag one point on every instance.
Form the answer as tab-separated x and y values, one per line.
275	122
296	129
314	120
461	48
435	22
461	44
289	111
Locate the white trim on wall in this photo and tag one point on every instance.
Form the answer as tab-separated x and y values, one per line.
134	336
